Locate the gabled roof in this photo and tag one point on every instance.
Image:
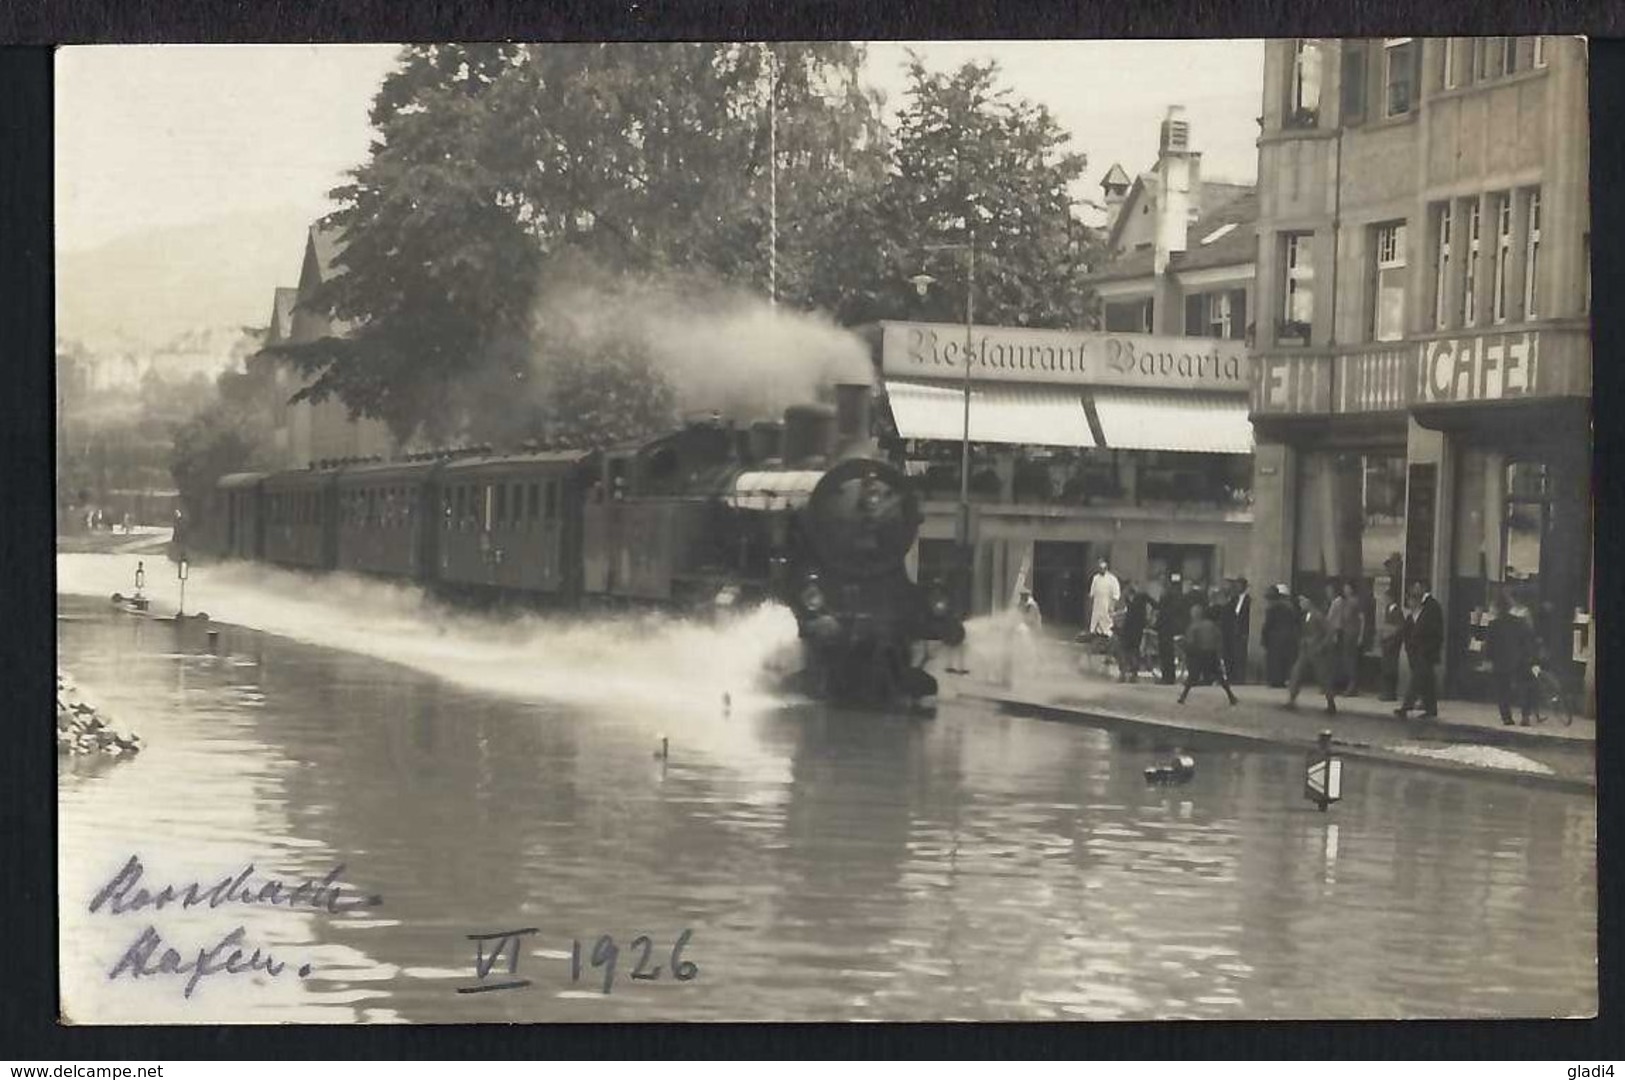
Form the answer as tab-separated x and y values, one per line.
1144	187
1232	246
281	315
1114	175
323	244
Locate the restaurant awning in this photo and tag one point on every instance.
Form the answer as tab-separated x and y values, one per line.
1038	415
1012	413
1185	422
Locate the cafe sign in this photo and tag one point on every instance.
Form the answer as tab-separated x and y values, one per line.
1486	367
1017	354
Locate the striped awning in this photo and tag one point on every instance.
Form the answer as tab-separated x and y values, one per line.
1185	422
1024	415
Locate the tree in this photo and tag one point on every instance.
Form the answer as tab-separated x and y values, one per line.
231	433
967	150
496	161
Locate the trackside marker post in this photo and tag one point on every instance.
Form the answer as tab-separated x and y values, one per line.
1323	778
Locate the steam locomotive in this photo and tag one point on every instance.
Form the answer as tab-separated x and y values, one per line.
707	518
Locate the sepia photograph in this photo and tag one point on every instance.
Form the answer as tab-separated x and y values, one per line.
1067	530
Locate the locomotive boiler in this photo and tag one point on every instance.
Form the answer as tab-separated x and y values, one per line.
799	511
713	517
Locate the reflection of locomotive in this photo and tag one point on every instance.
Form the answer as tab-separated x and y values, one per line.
711	516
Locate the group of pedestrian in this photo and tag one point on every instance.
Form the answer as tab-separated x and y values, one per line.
1212	624
1321	641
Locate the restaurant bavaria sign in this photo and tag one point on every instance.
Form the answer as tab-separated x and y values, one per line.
1016	354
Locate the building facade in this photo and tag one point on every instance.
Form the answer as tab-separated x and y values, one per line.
1085	446
1130	444
308	432
1422	369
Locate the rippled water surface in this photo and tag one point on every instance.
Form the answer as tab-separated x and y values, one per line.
829	865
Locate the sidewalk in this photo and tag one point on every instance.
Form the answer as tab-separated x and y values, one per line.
1468	736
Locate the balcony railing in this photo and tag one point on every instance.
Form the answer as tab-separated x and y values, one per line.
1506	363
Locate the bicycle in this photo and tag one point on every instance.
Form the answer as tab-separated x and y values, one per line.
1551	697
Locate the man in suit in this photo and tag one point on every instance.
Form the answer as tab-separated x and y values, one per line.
1241	625
1317	657
1391	638
1424	644
1172	610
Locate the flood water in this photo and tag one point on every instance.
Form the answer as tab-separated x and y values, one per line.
826	865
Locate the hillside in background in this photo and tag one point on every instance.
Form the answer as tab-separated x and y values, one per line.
145	290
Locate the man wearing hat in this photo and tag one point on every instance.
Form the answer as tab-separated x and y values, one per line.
1280	637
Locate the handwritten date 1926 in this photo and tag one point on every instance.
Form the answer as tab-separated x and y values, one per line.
502	948
606	954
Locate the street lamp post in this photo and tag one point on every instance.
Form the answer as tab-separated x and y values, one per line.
922	282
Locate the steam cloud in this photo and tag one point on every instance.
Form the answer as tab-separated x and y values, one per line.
720	351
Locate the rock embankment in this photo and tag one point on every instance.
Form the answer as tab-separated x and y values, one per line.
81	729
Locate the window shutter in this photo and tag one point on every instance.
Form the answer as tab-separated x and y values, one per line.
1238	313
1196	315
1354	71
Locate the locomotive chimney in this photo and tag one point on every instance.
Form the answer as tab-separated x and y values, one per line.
809	434
765	437
852	419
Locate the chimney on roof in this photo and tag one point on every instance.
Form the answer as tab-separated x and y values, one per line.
1178	175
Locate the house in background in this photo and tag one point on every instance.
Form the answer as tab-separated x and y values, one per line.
1183	249
308	432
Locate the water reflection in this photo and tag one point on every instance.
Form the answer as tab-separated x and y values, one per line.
831	866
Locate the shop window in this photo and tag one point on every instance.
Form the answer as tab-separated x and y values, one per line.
1388	296
1503	256
1441	264
1351	512
1399	62
1531	255
1192	562
1298	288
1303	103
1469	291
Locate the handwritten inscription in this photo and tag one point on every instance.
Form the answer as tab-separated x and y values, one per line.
124	892
139	960
502	947
150	955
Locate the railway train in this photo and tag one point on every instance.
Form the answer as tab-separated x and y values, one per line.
713	516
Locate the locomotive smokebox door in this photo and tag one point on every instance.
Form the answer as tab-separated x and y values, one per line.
863	517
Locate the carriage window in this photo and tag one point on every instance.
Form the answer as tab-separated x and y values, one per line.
534	502
552	498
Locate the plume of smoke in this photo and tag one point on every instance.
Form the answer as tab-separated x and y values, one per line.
719	350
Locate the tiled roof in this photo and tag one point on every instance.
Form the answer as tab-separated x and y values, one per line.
1237	245
1233	247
